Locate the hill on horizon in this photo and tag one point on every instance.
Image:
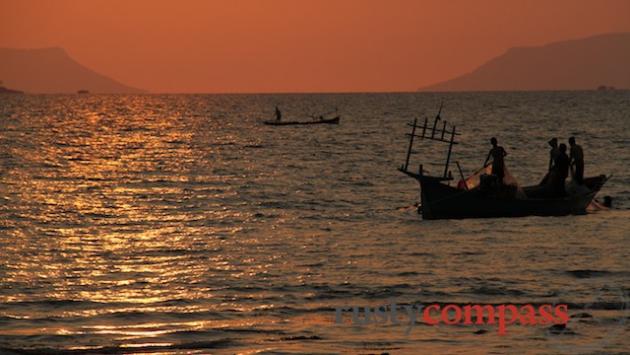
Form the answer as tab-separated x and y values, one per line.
52	70
580	64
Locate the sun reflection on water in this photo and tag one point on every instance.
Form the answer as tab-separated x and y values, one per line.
172	223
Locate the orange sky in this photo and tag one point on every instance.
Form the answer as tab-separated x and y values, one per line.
296	45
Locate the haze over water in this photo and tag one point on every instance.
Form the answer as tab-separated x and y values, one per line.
182	224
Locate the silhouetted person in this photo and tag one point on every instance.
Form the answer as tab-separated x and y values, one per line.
576	161
553	153
278	114
562	169
498	165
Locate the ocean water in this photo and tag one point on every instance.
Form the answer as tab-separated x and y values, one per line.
182	224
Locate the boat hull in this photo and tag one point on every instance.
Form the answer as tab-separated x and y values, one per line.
440	201
334	120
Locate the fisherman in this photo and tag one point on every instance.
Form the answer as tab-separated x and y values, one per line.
278	114
576	161
498	165
553	153
562	169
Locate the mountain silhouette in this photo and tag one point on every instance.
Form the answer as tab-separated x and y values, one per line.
582	64
52	70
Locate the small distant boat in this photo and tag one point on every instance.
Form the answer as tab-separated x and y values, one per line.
334	120
605	88
83	92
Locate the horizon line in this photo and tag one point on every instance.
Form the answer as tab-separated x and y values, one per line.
327	92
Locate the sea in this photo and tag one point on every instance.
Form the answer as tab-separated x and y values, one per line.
181	224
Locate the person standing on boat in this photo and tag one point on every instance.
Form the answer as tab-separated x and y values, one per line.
562	169
553	154
498	165
576	161
278	114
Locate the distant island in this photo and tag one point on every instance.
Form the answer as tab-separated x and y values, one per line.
52	70
582	64
605	88
4	90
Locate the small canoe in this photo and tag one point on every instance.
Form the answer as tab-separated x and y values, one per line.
334	120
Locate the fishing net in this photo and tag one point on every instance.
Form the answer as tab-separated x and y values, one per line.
474	180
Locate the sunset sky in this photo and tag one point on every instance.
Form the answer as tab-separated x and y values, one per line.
297	45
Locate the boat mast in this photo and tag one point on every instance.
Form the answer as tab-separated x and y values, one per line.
450	148
413	134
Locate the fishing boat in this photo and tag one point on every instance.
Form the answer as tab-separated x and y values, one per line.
334	120
479	196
